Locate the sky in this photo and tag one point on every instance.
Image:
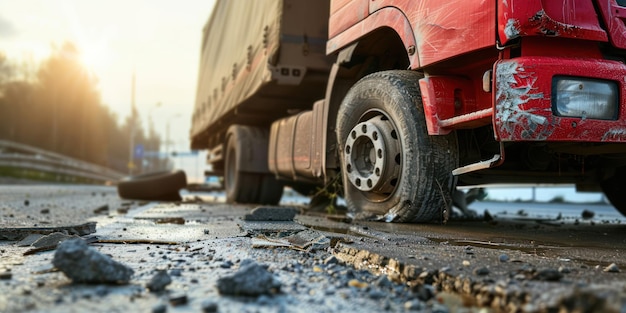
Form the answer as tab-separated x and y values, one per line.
157	40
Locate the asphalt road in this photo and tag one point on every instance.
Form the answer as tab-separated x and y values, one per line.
515	258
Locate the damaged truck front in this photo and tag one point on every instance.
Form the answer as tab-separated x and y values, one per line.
400	101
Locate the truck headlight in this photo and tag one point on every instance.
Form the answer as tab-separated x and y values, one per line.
584	98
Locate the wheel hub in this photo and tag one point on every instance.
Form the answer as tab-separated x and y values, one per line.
372	156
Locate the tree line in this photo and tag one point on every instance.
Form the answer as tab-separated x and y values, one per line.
57	107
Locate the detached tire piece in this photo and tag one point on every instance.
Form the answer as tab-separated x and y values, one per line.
391	167
161	186
614	188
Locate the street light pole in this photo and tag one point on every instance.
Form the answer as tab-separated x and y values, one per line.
133	109
167	134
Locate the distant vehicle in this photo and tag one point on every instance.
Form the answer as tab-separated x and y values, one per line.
401	101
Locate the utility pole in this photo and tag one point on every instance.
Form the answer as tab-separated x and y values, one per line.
133	109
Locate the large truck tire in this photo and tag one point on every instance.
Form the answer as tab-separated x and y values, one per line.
244	186
391	167
614	188
271	190
162	186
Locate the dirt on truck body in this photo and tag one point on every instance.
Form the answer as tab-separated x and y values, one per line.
401	101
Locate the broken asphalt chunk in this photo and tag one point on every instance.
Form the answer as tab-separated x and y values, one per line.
159	281
252	279
83	264
307	240
19	233
51	240
44	243
276	214
612	268
101	209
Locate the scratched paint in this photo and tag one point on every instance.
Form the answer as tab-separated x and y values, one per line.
615	134
515	88
511	29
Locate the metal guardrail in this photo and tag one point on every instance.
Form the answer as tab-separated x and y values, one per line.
17	155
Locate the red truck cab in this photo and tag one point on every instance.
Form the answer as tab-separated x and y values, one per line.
538	81
422	96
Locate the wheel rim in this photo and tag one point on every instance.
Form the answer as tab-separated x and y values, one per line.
372	157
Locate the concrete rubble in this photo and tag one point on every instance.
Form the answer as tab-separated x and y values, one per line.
252	279
83	264
159	281
306	240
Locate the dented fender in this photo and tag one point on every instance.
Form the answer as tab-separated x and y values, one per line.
566	18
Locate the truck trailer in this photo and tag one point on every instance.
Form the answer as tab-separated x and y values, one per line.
400	101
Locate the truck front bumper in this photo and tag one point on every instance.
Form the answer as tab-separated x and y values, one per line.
525	93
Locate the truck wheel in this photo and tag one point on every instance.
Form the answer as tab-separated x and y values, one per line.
391	167
613	189
271	190
248	187
241	187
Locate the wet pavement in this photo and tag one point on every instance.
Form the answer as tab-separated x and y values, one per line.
515	258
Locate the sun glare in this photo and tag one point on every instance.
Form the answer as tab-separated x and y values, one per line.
93	57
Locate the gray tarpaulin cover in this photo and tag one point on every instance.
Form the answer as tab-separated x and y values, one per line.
241	35
259	59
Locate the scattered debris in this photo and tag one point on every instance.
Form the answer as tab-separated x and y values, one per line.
548	274
136	241
6	275
171	220
281	214
159	308
487	216
46	243
413	305
357	284
306	240
83	264
29	240
45	211
586	215
481	271
612	268
101	209
159	281
252	279
503	258
178	299
19	233
52	240
331	260
209	306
